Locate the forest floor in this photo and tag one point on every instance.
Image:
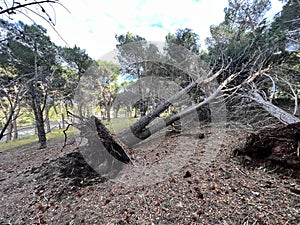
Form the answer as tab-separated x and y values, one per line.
56	186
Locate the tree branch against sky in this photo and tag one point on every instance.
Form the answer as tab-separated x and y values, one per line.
42	12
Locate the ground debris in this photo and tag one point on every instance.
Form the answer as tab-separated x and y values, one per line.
53	187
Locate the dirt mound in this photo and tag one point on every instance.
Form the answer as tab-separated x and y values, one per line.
72	168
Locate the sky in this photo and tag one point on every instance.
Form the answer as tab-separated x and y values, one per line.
93	24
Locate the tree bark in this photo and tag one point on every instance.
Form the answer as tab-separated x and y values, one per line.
15	131
56	114
62	115
9	131
40	126
38	114
47	119
281	115
107	109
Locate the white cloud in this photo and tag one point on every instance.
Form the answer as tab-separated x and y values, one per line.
92	25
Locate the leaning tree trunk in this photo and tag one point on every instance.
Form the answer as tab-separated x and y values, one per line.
283	116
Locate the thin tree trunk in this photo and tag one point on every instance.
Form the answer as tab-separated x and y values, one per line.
56	114
62	115
47	119
15	124
129	111
63	120
9	118
116	110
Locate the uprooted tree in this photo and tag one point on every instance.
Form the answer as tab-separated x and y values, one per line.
249	65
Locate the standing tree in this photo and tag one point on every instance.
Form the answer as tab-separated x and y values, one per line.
108	85
11	93
31	52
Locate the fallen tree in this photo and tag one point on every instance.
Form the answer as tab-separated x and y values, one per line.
118	145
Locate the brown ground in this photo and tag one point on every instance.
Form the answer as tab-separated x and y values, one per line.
51	186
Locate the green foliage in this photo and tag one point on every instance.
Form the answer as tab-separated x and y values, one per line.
285	27
127	38
25	43
186	38
76	58
246	15
246	37
247	41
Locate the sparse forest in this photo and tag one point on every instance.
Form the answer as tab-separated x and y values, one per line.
160	133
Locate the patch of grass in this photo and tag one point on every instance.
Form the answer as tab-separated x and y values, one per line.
53	135
118	124
115	125
17	143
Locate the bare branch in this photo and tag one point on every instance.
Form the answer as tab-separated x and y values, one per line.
10	10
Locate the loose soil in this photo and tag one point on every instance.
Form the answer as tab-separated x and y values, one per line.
57	186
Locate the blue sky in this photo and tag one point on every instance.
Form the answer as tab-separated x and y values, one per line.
93	24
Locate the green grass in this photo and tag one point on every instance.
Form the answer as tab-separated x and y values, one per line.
115	125
16	143
118	124
53	135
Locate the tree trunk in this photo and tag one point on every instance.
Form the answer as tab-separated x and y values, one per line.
63	120
56	113
40	125
62	115
129	111
9	131
9	119
37	98
281	115
107	108
47	119
15	125
116	110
